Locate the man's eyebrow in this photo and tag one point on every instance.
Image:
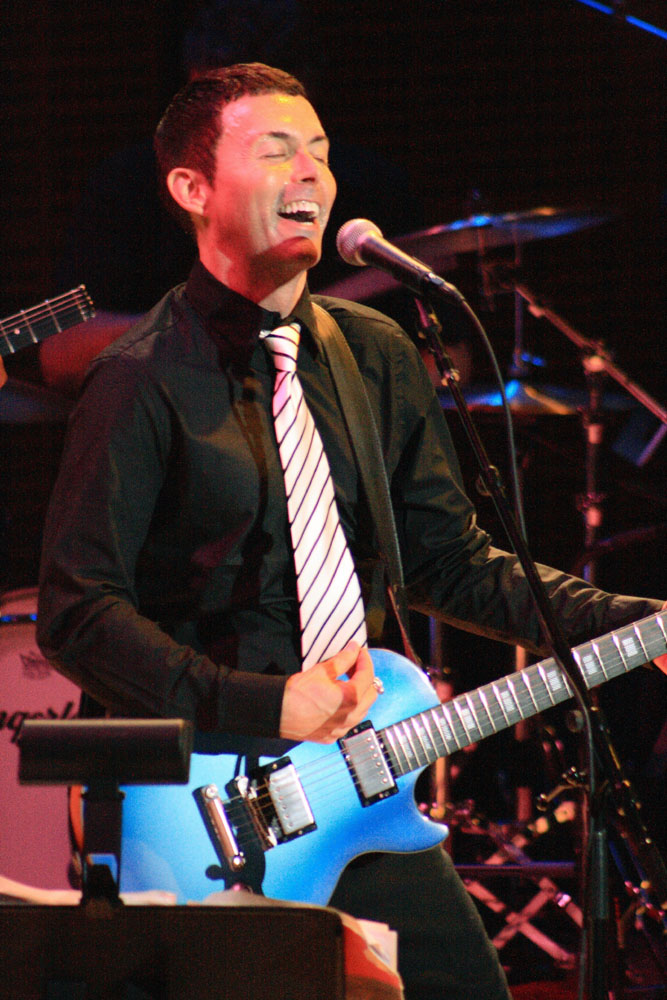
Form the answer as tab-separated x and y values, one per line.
320	137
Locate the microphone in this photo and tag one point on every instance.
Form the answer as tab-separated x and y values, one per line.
360	242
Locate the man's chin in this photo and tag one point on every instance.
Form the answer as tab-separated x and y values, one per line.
302	248
292	256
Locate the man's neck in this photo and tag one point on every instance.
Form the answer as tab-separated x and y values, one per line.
263	288
284	298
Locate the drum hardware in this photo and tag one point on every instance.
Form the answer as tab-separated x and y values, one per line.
622	540
510	860
572	778
601	754
597	363
34	842
643	914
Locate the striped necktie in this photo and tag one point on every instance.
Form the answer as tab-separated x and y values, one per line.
330	605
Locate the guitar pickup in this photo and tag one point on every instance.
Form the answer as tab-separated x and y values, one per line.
366	762
274	797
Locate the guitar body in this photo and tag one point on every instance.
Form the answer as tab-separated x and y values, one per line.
166	844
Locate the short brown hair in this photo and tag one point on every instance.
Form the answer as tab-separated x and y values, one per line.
190	129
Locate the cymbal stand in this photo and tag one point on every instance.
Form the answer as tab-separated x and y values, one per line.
605	800
593	349
519	366
597	363
590	502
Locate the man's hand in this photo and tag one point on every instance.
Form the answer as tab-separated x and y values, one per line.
320	706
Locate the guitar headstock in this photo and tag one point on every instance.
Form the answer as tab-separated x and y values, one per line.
84	302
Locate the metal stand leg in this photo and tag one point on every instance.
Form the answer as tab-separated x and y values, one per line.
510	860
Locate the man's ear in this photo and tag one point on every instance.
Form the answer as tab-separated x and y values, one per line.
189	189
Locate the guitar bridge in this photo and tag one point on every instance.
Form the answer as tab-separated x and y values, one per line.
367	763
221	827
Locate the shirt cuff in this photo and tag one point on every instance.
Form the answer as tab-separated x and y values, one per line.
251	704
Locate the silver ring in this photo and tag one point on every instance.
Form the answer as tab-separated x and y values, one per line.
378	685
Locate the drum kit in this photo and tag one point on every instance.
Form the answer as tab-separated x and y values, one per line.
441	247
528	399
29	688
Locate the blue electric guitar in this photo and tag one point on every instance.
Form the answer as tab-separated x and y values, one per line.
286	819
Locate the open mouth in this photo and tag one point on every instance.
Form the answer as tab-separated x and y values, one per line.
300	211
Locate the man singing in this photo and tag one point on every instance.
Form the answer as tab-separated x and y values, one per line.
209	551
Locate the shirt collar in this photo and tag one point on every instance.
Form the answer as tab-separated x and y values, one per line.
235	322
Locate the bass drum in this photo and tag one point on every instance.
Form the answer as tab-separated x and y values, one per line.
34	832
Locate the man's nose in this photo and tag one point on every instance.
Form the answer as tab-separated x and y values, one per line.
304	166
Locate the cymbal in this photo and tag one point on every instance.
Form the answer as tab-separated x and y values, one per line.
439	246
25	403
478	233
528	400
361	285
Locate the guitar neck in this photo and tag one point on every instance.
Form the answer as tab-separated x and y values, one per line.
468	718
29	326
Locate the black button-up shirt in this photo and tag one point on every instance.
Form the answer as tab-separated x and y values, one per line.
167	584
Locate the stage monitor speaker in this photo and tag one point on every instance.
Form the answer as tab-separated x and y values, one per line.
277	952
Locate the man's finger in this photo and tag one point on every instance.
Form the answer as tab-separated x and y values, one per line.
342	662
363	668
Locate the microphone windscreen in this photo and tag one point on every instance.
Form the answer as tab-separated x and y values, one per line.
350	235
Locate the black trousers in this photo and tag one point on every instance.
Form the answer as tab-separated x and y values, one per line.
444	952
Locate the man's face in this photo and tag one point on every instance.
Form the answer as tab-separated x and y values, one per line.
273	189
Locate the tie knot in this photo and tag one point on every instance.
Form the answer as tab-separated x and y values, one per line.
283	342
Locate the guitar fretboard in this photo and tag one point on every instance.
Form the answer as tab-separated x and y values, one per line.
440	731
51	316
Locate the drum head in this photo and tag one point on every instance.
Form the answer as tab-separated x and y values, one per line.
34	838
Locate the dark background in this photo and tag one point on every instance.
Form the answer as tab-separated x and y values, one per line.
494	106
486	105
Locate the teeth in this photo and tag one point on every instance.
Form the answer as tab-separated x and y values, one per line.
303	208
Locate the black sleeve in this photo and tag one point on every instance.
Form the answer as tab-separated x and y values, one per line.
89	623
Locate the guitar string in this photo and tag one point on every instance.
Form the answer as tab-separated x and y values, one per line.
499	717
413	748
319	790
59	320
417	750
76	298
315	795
42	312
79	292
324	768
524	702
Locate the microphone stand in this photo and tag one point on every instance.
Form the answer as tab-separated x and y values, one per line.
612	783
